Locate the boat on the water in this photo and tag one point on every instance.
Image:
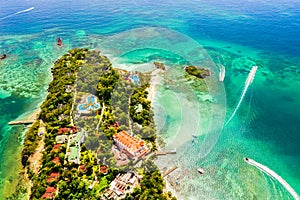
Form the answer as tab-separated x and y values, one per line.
200	170
3	56
271	173
59	42
222	73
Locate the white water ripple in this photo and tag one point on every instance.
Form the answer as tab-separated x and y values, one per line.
16	13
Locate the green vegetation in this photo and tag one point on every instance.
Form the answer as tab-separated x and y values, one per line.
152	185
30	143
160	65
141	113
197	71
107	82
56	113
140	106
75	74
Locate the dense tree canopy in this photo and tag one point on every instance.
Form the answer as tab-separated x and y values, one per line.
75	181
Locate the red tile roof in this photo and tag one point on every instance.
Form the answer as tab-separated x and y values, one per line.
54	174
103	169
74	129
130	142
49	194
56	146
82	168
50	189
52	177
63	130
56	160
49	180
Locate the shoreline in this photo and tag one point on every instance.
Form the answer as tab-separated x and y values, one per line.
35	114
170	188
154	82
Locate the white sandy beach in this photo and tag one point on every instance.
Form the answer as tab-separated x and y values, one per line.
155	80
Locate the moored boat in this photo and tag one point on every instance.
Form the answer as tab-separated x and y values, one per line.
222	73
200	170
3	56
59	42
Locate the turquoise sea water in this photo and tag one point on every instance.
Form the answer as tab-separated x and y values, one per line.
134	34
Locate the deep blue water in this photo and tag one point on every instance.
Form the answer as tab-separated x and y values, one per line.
260	24
269	29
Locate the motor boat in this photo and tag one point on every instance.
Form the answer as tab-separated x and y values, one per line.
200	170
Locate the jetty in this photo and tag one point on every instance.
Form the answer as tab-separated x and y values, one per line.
170	171
162	153
19	122
28	121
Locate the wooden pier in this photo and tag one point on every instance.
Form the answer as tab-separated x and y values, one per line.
162	153
170	171
25	122
29	120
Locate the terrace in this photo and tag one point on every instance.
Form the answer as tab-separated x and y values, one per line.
60	139
122	184
119	156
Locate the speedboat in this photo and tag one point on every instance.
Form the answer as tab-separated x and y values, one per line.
3	56
222	73
59	42
200	170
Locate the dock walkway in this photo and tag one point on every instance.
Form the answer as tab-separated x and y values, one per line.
29	120
170	171
161	153
25	122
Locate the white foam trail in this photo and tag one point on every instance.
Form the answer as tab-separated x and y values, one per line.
273	174
26	10
248	82
19	12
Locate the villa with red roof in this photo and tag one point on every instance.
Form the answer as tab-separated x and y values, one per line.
50	193
52	177
56	160
131	146
103	169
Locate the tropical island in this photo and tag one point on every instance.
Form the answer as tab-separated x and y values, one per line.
95	137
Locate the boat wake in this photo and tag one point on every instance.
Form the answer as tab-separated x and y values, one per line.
16	13
273	174
248	82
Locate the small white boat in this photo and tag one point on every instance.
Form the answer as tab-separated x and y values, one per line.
222	73
200	170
